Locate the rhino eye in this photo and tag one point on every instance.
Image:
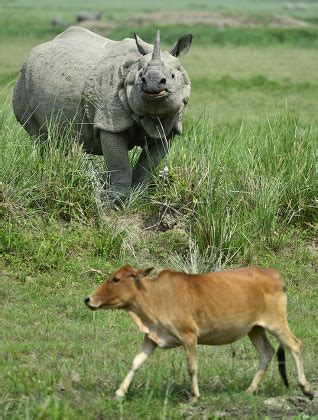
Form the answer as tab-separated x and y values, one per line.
172	75
140	74
115	280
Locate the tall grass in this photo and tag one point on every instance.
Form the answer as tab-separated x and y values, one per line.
54	181
244	184
238	185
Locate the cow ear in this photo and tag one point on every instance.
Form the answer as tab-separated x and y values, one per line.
141	274
144	273
182	46
142	46
148	270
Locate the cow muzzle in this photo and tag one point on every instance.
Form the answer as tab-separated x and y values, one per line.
90	303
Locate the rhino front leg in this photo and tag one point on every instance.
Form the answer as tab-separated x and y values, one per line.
115	151
151	155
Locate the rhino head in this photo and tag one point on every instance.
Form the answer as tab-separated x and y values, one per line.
157	85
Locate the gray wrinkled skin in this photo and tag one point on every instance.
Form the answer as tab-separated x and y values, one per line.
117	94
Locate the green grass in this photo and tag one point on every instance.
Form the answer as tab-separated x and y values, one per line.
242	194
204	35
207	35
258	83
52	181
243	182
229	82
66	361
122	8
240	190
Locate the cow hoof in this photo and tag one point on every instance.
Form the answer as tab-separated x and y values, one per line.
117	397
307	391
310	394
193	399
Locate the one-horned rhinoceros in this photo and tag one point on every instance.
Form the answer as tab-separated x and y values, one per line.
118	94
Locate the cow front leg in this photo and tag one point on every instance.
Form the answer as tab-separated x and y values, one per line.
147	348
151	155
115	151
190	346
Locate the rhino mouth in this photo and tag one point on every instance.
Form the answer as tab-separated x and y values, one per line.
155	96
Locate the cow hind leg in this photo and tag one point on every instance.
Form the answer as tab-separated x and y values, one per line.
287	339
147	348
260	341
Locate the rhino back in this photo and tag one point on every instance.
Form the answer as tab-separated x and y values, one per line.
53	77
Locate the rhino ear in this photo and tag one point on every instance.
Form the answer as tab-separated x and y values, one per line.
182	46
142	46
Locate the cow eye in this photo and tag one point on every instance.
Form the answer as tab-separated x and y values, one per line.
115	280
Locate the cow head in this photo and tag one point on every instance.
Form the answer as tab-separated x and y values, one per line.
119	290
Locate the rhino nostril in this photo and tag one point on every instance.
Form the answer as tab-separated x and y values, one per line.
163	81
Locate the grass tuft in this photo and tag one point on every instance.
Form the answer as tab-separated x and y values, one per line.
54	180
243	182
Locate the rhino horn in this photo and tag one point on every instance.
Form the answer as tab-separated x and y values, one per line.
156	48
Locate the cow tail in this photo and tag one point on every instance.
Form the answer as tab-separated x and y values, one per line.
282	365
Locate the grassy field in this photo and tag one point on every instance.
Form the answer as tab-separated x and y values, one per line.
241	190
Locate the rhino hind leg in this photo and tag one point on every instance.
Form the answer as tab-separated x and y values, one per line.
32	126
25	115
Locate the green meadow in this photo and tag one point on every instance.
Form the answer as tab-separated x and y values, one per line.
241	190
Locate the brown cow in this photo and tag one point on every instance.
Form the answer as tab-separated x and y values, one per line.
178	309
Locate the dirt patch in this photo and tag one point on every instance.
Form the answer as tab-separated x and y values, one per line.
191	18
216	19
148	233
289	22
280	407
313	247
133	223
163	220
142	226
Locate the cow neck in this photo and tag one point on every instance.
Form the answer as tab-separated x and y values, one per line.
143	306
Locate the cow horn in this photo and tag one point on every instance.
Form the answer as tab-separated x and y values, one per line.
156	48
